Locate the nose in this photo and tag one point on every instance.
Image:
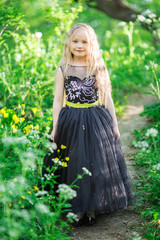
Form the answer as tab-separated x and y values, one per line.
79	45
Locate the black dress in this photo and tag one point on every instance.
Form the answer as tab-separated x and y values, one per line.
87	134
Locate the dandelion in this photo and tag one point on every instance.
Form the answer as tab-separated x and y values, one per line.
3	111
36	188
34	110
15	180
57	159
5	115
23	197
86	171
67	158
64	164
152	132
23	105
29	192
27	129
23	112
15	118
63	146
22	119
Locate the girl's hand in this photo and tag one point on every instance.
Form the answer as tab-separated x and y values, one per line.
53	133
116	134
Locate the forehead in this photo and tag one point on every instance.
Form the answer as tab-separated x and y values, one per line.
80	34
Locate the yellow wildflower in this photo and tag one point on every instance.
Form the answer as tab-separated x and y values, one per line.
107	54
14	130
15	118
10	204
10	192
22	119
34	110
63	146
5	115
19	202
1	194
3	111
58	150
27	128
29	192
15	180
36	188
57	159
22	206
19	106
23	197
64	164
23	105
23	112
36	127
67	158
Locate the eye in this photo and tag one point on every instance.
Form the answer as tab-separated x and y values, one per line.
75	41
84	42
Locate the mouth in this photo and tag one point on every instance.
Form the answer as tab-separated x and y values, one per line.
79	50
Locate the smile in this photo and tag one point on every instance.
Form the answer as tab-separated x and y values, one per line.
79	50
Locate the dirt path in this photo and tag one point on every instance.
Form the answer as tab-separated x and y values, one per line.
121	224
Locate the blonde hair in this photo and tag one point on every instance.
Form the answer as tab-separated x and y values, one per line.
94	61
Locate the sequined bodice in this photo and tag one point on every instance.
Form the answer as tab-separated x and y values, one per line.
79	88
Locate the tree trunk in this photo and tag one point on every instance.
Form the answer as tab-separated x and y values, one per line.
116	9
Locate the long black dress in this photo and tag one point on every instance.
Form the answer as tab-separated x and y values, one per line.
88	135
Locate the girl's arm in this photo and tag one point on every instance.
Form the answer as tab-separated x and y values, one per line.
110	106
58	99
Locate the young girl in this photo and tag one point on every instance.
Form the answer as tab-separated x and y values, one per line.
86	123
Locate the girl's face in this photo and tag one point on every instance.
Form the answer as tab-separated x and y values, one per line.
79	44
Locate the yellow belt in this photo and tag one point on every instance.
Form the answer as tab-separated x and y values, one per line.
83	105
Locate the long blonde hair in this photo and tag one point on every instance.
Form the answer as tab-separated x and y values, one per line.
94	61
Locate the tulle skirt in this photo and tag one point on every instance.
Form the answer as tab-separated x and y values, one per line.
87	134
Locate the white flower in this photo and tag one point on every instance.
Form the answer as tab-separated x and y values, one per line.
66	192
120	50
18	57
146	67
42	208
121	24
86	171
152	132
71	216
148	20
141	18
141	144
157	167
40	193
38	34
111	50
152	15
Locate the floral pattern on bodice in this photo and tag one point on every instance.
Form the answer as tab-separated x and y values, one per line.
81	90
